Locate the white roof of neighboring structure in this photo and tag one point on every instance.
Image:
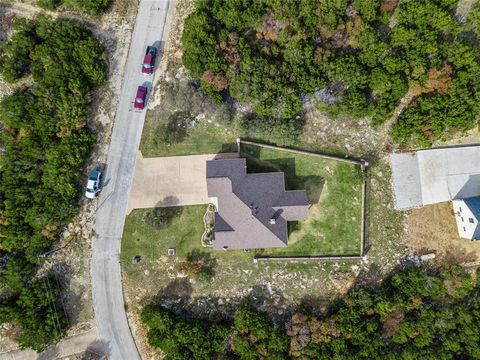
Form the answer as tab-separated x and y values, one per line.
436	175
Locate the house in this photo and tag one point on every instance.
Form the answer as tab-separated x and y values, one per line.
432	176
467	214
252	209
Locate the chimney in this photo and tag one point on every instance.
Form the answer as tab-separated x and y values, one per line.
273	221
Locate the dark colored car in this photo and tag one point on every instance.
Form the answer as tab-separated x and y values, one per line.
149	60
141	97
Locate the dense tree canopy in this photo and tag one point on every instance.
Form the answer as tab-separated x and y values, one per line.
94	7
183	339
45	143
367	54
413	315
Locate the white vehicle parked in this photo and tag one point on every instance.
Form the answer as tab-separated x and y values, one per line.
93	184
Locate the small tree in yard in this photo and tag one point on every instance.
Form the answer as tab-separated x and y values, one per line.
161	217
199	265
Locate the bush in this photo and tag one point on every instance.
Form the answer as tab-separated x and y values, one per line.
412	314
49	4
199	265
38	312
93	7
255	335
183	339
161	217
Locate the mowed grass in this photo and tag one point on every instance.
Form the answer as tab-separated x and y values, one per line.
201	138
183	234
334	191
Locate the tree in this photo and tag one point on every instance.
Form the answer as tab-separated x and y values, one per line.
274	55
183	339
39	314
46	143
254	335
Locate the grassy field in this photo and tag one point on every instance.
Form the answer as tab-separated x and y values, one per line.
201	138
183	234
157	276
334	191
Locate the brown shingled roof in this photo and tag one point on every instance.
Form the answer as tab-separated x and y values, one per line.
253	209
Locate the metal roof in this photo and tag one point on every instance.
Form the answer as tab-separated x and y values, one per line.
435	175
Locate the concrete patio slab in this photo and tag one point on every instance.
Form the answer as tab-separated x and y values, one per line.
170	181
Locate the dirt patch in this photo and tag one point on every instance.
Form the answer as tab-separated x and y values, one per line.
432	229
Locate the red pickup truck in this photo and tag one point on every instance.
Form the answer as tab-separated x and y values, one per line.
149	60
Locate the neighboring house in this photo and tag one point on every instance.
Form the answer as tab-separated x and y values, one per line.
252	209
467	213
432	176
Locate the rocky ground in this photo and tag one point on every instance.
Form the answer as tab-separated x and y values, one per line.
393	237
70	262
274	294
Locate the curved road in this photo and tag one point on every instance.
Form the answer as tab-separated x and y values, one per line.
106	277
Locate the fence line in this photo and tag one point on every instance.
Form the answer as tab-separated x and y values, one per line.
363	221
309	258
363	164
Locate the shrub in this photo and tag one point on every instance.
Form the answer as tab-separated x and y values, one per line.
162	217
199	265
49	4
173	131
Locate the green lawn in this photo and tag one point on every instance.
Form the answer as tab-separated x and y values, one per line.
183	234
334	190
201	138
235	272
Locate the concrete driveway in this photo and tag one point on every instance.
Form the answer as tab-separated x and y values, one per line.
170	181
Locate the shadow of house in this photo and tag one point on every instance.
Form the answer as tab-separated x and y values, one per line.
313	184
462	189
465	193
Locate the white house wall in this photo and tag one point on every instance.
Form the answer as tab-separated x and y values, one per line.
464	217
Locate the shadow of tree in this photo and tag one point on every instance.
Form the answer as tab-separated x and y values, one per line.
162	215
71	301
175	295
198	264
52	352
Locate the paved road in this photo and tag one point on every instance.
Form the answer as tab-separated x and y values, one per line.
106	278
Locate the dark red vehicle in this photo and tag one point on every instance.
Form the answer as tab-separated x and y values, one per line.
149	60
141	97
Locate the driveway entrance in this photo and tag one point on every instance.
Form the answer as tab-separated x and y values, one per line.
170	181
